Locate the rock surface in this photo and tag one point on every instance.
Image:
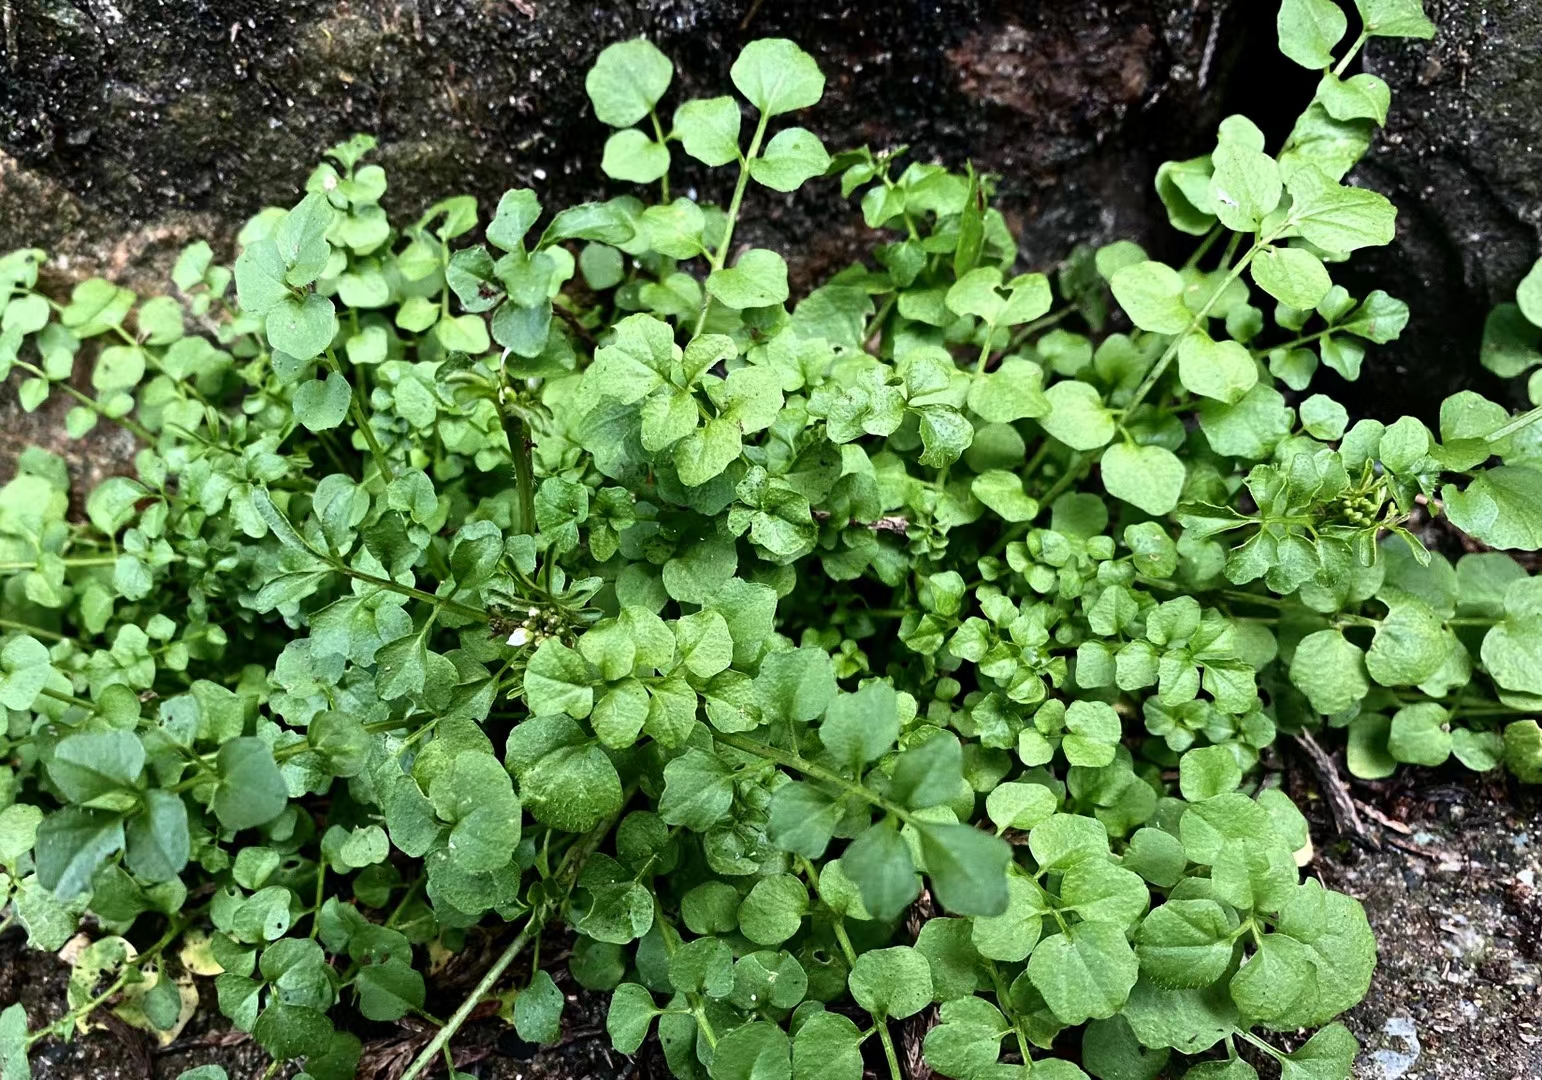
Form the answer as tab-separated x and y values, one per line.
126	129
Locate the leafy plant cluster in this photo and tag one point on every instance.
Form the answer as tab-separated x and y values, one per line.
908	649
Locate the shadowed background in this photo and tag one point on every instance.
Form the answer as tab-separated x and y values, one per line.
128	127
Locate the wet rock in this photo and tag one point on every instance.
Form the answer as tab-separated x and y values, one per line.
127	128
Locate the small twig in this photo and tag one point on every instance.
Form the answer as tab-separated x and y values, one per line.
1345	818
577	327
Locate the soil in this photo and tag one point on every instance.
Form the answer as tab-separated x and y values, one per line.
1448	872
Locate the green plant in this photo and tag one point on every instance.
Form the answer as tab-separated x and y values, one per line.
545	580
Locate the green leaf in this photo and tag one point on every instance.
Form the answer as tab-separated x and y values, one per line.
538	1010
1014	391
1185	943
1077	416
967	867
1276	983
72	844
1098	891
861	727
631	155
709	129
301	328
706	646
755	1051
1003	492
251	790
928	773
13	1045
557	681
321	404
1330	670
1020	805
774	909
627	81
758	279
777	77
157	841
565	780
1326	1056
1502	507
1148	477
24	670
88	766
1410	644
793	156
1085	972
1309	30
516	213
1293	276
795	685
1063	840
1528	294
827	1047
1395	18
301	239
879	862
1208	771
1151	294
698	791
1339	218
1245	185
891	983
388	991
630	1016
1323	417
1360	97
1223	370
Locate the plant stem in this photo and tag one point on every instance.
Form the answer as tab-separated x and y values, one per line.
817	772
718	257
524	473
658	131
35	631
1004	1003
1160	367
134	427
572	862
68	699
1044	322
1525	419
360	421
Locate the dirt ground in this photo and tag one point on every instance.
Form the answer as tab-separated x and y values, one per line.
1447	871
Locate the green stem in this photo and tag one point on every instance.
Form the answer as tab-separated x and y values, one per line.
1044	322
1004	1003
718	257
810	769
658	131
1160	367
35	631
884	1037
1304	339
360	421
134	427
1343	64
524	473
1205	245
68	699
567	872
1525	419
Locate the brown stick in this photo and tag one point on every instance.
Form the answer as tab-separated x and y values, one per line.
1341	804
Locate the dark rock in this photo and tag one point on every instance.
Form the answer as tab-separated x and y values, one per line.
127	129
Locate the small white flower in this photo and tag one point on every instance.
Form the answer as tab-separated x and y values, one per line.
519	637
